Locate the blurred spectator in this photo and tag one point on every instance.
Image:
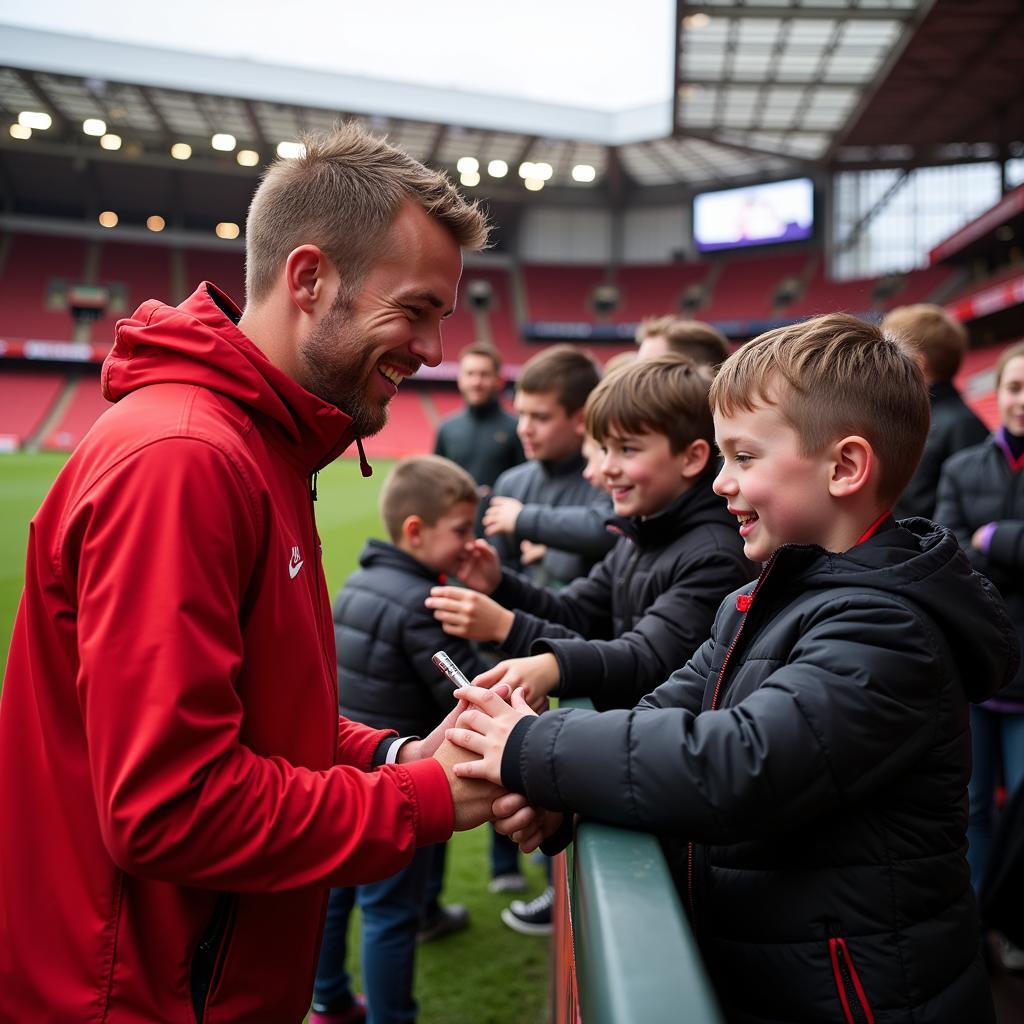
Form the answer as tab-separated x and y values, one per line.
704	344
938	343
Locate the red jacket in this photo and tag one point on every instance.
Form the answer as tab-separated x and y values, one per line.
177	789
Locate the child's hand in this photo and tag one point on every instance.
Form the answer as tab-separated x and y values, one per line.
468	614
527	826
530	552
481	569
537	676
484	729
501	515
426	747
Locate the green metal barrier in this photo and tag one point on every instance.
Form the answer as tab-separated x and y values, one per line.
625	948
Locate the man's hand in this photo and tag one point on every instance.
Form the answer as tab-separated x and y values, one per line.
527	826
481	568
468	614
484	729
535	676
426	747
472	799
501	515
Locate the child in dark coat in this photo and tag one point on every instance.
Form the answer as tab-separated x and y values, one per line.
809	765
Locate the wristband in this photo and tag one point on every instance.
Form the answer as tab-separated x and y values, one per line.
392	754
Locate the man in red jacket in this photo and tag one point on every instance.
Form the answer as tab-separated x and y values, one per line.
178	793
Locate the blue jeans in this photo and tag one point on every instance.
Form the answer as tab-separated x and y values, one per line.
504	855
991	732
391	915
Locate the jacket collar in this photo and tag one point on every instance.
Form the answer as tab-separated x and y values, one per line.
381	553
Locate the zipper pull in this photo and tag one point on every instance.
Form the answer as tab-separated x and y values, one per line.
312	484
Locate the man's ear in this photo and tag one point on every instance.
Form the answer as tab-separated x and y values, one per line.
309	277
695	459
853	466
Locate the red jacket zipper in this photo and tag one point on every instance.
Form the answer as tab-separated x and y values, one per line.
842	965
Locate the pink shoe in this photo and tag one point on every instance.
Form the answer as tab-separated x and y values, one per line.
355	1014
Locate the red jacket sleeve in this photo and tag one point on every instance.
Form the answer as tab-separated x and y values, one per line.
159	552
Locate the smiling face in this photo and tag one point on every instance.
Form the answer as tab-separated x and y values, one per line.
778	494
642	473
1010	396
547	431
445	546
367	343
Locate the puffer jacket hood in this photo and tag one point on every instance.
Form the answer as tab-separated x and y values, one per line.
937	578
199	343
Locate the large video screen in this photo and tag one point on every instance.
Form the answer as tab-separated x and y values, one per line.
780	211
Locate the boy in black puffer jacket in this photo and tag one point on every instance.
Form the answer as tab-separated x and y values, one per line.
385	640
648	605
814	752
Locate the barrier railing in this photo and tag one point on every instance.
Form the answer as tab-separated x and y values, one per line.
622	946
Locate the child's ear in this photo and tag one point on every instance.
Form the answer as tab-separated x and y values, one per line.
695	458
577	423
412	530
853	466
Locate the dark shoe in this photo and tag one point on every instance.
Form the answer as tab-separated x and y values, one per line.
443	921
511	882
532	917
355	1014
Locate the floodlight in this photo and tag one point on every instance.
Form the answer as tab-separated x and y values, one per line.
247	157
223	142
19	131
110	141
35	119
94	126
226	229
583	173
108	219
497	168
534	184
181	151
291	150
156	223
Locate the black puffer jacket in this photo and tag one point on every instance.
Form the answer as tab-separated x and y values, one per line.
551	484
482	439
643	610
385	639
978	486
817	749
953	428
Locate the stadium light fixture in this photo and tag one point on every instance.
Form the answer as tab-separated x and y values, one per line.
223	142
291	150
526	170
247	157
156	223
497	168
583	173
35	119
94	126
110	141
226	229
470	178
699	20
534	184
181	151
108	219
19	131
542	171
467	165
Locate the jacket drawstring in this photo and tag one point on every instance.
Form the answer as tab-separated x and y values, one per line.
364	467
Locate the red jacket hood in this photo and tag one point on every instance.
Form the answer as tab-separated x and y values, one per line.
199	343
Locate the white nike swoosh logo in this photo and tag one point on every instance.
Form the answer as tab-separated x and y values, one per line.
294	567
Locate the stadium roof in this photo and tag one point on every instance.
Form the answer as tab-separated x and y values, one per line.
762	89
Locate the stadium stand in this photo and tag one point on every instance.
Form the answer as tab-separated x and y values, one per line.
226	269
823	295
746	287
86	404
921	285
559	292
142	271
410	429
656	290
32	263
25	398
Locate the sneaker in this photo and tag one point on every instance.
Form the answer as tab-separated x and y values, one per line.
531	917
1011	956
512	882
443	921
355	1014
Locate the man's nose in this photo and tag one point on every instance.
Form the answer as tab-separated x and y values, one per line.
427	346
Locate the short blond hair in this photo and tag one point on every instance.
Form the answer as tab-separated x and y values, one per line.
832	376
343	195
667	395
929	331
704	344
428	486
482	348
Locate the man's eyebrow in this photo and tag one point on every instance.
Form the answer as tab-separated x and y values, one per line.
428	297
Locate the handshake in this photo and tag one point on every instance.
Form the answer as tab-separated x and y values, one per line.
469	745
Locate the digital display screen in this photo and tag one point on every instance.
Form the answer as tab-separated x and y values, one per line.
780	211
